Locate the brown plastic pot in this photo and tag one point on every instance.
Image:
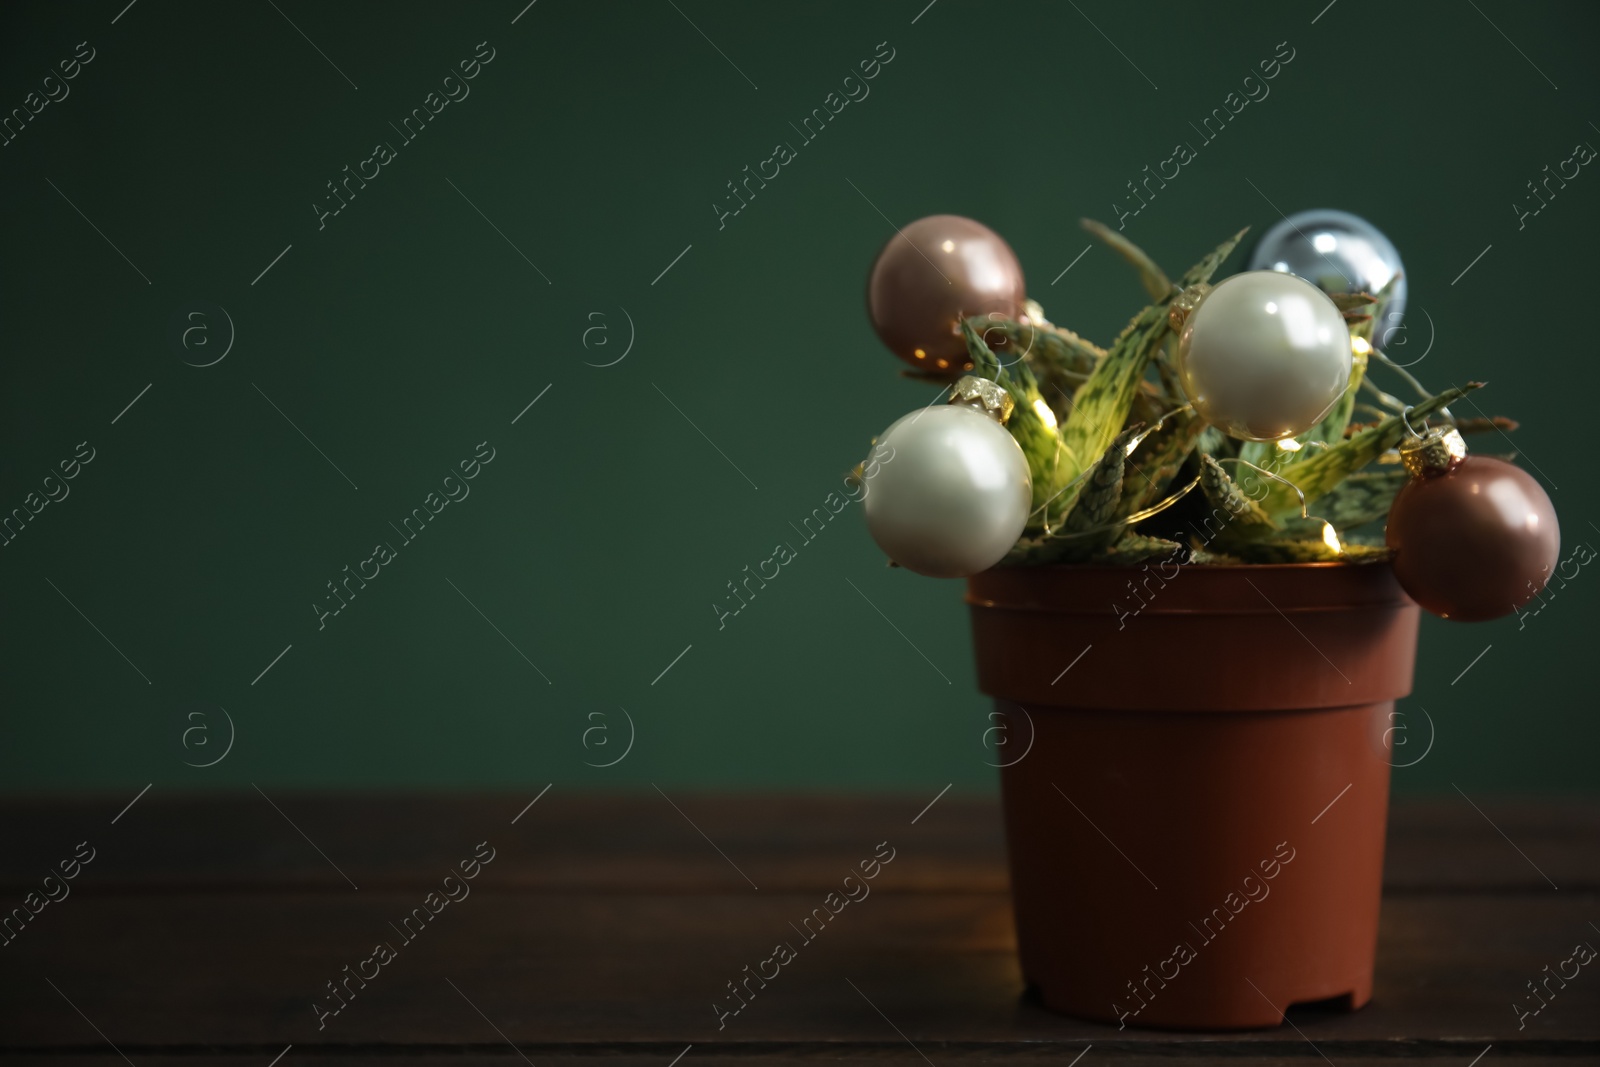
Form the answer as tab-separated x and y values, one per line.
1196	827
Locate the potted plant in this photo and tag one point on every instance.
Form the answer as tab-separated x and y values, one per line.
1186	603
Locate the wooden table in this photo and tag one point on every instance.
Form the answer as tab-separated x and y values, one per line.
606	925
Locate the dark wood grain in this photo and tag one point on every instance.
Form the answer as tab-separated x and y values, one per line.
618	842
1444	844
604	970
205	928
569	841
845	1054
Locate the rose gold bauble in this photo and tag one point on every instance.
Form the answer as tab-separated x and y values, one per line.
928	277
1474	538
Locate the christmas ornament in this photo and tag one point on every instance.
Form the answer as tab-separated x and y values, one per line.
1339	253
1263	355
1474	538
956	496
930	275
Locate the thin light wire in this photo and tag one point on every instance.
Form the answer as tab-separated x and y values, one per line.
1411	379
1275	477
1136	517
1128	450
1155	509
1393	403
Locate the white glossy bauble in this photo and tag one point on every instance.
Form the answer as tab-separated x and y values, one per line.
1264	355
954	494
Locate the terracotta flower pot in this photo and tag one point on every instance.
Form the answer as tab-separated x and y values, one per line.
1196	829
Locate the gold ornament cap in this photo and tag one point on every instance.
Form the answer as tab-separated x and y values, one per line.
988	397
1434	452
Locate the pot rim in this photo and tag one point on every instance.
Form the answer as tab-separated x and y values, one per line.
1324	564
1333	635
1205	589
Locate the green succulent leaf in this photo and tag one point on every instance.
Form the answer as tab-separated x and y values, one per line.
1038	439
1484	425
1151	276
1362	497
1323	469
1306	551
1100	406
1202	271
1133	549
1036	550
1098	498
1264	454
1077	408
1158	459
1044	344
1238	517
985	364
1212	442
1059	359
1352	301
1211	557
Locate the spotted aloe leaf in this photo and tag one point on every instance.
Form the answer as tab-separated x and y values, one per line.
1362	497
1076	407
1348	302
1101	404
1090	527
1044	344
1060	359
1157	460
1306	551
1135	548
1037	437
1321	470
1235	518
1151	276
1202	271
1093	517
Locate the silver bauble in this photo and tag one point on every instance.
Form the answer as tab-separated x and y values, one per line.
1264	356
953	494
1339	253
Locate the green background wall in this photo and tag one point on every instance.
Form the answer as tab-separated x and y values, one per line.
408	330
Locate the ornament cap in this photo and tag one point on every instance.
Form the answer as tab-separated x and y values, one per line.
1434	452
988	397
1184	303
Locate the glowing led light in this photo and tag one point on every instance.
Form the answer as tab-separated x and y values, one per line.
1324	242
1331	538
1360	347
920	354
1289	444
1042	409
